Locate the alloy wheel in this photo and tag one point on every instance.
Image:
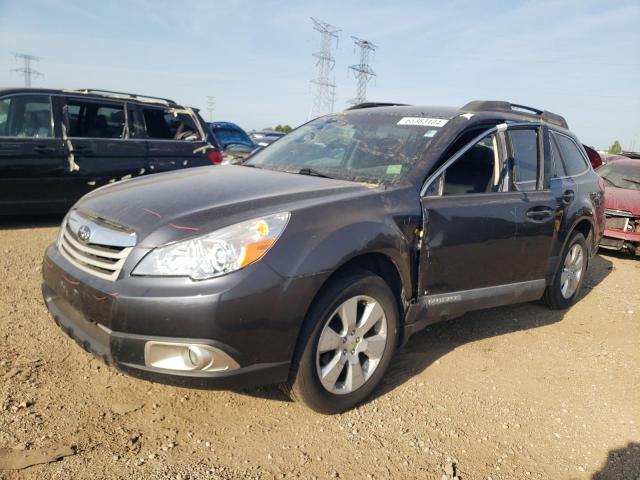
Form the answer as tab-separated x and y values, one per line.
572	271
351	344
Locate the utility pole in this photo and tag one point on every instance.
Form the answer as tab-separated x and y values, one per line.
27	70
363	72
325	90
211	101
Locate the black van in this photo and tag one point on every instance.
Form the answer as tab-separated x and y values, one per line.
57	145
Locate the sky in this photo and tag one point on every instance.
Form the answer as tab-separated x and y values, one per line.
578	58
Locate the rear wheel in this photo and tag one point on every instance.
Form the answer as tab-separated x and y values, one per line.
347	343
570	275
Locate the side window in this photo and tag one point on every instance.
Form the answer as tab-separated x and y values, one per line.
524	146
477	171
88	119
557	167
26	116
136	126
4	116
574	161
170	124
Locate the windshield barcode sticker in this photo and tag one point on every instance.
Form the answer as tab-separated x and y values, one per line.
423	122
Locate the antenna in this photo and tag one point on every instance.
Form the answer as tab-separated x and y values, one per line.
211	101
325	90
363	72
27	70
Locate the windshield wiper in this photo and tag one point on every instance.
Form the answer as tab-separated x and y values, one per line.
631	180
610	182
313	173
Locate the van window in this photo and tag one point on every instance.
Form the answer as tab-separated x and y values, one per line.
524	145
477	171
169	124
26	116
88	119
574	161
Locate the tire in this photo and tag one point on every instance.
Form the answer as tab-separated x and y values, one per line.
352	360
560	295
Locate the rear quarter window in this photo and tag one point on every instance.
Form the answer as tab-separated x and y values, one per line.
574	162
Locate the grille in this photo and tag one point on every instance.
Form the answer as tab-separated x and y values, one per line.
103	254
618	223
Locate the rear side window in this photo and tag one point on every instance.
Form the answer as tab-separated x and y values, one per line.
574	161
26	116
170	124
557	167
95	119
524	145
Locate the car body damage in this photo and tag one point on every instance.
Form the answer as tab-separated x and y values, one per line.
321	253
622	202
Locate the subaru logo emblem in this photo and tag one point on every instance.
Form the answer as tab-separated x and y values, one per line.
84	233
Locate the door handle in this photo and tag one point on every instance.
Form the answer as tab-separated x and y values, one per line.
539	214
568	196
43	149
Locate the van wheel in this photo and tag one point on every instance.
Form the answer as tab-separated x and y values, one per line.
346	345
570	275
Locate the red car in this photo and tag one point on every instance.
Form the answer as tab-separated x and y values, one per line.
622	205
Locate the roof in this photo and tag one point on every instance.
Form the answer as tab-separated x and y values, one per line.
94	93
224	125
493	109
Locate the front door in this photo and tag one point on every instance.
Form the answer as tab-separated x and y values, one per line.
487	227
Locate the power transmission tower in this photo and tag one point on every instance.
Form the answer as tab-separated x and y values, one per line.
27	70
363	72
211	101
325	90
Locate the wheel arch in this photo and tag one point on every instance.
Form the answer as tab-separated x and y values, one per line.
376	263
585	226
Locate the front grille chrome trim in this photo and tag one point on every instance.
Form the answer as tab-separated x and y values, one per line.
102	260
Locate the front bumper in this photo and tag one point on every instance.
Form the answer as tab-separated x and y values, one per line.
254	318
619	240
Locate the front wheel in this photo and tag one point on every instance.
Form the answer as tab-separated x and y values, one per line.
346	345
570	275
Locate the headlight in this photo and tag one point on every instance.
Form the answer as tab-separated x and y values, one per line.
216	253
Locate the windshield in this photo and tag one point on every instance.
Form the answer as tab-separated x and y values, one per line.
227	136
621	175
363	147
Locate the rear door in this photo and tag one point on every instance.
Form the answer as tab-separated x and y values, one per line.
102	142
487	227
538	208
32	158
175	138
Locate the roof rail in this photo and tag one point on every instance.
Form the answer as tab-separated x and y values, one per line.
634	155
500	106
133	96
375	104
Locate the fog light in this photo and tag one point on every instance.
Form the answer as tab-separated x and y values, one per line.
198	357
187	357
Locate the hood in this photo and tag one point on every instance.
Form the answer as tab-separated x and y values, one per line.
622	199
165	207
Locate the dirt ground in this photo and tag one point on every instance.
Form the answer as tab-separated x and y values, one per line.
516	392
